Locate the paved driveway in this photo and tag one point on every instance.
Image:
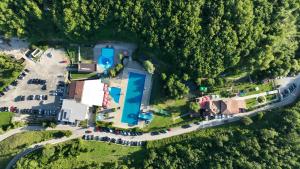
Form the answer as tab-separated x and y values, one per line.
48	69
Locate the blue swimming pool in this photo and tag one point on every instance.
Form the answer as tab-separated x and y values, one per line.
115	93
106	60
133	98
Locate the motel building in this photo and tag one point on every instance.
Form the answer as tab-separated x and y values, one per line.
82	95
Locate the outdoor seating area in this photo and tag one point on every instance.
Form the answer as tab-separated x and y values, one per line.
106	99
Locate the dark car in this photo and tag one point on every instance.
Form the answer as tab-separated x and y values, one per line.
113	140
154	133
186	126
196	122
26	70
44	87
37	97
45	97
30	97
162	131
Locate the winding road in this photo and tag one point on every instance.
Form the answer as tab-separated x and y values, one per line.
79	132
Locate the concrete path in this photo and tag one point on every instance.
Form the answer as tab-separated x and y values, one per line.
256	95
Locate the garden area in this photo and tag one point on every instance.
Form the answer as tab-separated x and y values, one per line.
261	100
231	89
76	75
5	119
19	142
83	154
10	69
165	114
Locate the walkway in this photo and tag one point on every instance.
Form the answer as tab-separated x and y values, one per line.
256	95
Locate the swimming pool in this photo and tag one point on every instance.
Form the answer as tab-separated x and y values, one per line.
106	60
115	93
133	98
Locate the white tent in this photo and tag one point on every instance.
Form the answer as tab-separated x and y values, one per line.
92	94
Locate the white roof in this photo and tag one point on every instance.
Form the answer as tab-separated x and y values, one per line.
92	94
72	111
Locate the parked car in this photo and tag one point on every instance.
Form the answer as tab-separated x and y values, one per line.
154	133
196	122
163	131
44	87
30	97
186	126
88	131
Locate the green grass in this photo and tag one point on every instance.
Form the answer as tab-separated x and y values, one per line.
271	97
75	76
91	153
18	142
249	88
5	119
106	152
251	102
174	108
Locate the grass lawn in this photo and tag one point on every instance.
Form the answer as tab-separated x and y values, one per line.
94	154
18	142
251	102
174	108
248	88
5	119
82	75
271	97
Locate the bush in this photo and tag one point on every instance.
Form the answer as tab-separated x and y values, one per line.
260	115
112	73
194	107
261	99
149	66
247	121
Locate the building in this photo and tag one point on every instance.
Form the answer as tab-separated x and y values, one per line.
227	107
87	68
81	96
73	112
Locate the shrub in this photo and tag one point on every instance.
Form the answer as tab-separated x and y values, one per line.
149	66
194	106
260	115
112	73
261	99
247	121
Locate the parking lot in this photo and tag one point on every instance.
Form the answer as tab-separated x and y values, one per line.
41	93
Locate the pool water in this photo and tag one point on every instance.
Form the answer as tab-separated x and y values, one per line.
133	98
115	93
106	60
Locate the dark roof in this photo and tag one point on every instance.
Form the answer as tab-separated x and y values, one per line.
75	90
85	67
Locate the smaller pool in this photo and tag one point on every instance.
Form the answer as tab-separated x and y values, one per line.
115	93
106	60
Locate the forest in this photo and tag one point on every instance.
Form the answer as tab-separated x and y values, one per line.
199	38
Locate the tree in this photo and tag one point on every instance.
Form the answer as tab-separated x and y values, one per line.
247	121
261	99
149	66
194	107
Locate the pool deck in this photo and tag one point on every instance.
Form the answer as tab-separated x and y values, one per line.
135	68
118	47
